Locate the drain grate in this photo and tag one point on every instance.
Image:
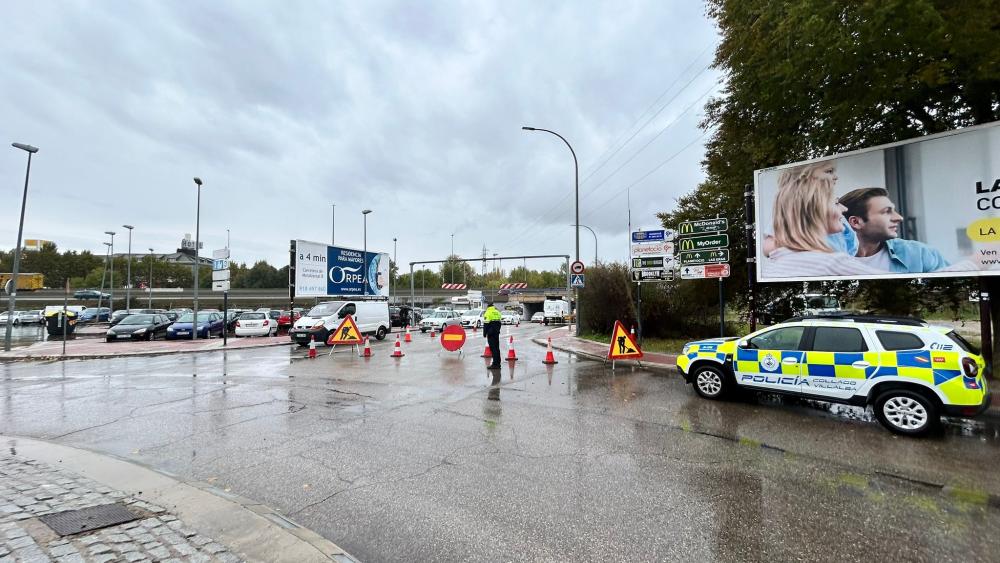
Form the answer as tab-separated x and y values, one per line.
72	522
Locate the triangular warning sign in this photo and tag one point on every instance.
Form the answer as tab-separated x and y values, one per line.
623	346
346	333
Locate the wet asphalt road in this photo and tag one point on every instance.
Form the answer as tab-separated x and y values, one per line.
419	459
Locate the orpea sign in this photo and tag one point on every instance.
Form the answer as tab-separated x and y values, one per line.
322	270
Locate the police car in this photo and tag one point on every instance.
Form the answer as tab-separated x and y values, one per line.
909	371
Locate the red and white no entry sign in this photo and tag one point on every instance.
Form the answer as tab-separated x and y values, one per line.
577	267
453	338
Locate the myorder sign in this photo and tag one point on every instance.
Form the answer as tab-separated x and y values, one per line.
708	242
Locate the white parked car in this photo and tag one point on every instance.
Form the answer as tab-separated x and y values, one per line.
510	317
440	319
19	318
256	324
472	318
538	317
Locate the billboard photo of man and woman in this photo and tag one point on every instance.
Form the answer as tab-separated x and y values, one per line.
928	207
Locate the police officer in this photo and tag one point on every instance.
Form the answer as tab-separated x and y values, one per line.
491	329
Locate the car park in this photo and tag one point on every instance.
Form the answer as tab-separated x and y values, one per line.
90	294
472	318
372	317
908	371
538	317
440	319
209	323
255	324
139	327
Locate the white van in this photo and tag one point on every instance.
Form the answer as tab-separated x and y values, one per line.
372	317
556	311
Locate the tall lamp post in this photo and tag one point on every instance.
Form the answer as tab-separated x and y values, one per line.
104	276
576	172
12	299
149	283
595	240
128	275
364	266
111	282
391	277
197	261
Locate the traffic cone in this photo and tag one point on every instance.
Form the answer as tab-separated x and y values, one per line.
486	352
312	347
511	355
549	356
397	351
432	333
474	329
368	349
408	339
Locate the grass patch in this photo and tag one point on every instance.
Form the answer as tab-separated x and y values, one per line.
661	345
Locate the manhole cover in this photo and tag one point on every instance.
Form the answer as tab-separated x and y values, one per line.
72	522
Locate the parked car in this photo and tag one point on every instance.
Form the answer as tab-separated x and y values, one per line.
398	314
510	317
538	317
208	324
909	371
41	316
18	316
117	316
256	324
174	315
139	327
472	318
440	319
94	314
286	319
90	294
233	315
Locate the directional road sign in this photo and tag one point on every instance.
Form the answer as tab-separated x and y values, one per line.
576	281
708	242
220	286
650	262
704	257
220	264
703	226
220	275
705	271
649	236
220	254
652	275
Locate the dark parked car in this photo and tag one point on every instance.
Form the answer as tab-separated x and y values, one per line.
90	294
139	327
397	314
208	324
92	314
117	316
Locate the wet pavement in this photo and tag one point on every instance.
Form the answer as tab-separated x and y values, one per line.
422	458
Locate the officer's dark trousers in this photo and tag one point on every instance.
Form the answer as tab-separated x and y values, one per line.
493	339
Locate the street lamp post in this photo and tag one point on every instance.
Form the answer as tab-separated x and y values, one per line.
394	263
104	276
197	261
111	281
128	275
149	283
595	240
576	172
12	299
364	267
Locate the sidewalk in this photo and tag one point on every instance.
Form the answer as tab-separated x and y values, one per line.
41	478
90	348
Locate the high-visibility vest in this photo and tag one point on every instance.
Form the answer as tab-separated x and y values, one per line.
492	314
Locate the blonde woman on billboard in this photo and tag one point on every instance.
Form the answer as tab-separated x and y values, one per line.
844	241
806	214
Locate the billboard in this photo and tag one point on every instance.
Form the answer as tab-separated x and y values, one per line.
926	207
322	270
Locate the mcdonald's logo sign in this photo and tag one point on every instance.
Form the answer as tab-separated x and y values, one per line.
686	228
704	226
704	243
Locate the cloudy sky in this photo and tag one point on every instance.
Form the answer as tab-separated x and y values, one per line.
412	109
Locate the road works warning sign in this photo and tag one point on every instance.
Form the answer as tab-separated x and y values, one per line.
346	333
623	346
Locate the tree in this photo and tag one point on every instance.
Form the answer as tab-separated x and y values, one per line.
807	78
456	271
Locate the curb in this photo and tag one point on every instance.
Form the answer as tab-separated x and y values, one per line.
50	357
254	531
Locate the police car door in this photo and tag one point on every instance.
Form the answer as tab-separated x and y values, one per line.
771	359
837	360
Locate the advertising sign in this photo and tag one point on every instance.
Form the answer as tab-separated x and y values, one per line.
652	249
703	226
648	262
926	207
652	275
322	270
703	243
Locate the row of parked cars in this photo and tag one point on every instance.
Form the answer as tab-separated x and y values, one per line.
23	318
151	324
441	317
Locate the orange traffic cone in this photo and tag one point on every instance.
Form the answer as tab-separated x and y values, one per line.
408	339
368	349
312	347
397	351
474	329
487	353
511	355
549	356
432	333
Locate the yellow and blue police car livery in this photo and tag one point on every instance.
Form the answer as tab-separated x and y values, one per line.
944	366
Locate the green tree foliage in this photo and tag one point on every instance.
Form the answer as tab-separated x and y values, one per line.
808	78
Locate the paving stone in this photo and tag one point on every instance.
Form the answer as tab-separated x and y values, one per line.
133	556
168	518
228	558
75	558
158	552
118	538
33	555
144	537
90	540
16	532
185	549
99	548
200	540
173	539
103	558
22	542
61	550
214	548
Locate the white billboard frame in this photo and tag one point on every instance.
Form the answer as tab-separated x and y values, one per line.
761	232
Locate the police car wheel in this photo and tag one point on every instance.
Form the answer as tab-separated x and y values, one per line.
709	382
906	412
